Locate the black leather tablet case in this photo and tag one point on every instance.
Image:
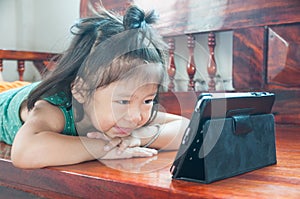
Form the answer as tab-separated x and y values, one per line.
215	147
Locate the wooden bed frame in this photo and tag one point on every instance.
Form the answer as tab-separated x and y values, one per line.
41	60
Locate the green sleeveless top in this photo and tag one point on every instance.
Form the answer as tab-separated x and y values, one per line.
10	103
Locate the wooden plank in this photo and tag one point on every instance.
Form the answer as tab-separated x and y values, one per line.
25	55
150	177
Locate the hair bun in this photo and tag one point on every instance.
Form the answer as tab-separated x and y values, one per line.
136	18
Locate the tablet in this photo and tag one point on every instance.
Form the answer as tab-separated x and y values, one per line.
220	105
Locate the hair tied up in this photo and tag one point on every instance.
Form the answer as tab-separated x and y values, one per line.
136	18
142	24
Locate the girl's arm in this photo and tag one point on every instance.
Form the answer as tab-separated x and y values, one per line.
164	133
171	129
37	144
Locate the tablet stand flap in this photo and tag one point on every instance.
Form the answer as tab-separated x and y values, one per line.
241	124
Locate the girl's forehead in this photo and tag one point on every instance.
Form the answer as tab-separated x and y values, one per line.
133	79
145	74
123	87
127	89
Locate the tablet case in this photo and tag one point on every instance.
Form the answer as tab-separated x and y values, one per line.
227	136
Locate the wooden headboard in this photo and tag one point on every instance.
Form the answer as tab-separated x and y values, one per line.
265	54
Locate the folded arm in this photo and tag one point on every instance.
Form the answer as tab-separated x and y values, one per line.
170	131
163	133
38	143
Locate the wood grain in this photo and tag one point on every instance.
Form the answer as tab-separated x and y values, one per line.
177	17
248	58
284	56
25	55
153	180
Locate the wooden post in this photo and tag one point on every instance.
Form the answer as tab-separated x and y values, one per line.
172	66
212	67
21	69
191	67
1	65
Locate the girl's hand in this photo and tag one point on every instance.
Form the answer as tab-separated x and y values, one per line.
129	141
112	142
129	153
122	143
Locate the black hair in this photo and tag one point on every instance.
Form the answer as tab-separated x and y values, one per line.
99	47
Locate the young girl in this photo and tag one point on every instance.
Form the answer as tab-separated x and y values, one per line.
99	103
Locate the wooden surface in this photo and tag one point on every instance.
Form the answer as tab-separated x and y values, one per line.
150	177
10	193
177	17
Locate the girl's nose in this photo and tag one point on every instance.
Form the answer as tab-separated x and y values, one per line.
135	115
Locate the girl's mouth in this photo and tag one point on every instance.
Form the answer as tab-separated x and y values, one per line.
123	131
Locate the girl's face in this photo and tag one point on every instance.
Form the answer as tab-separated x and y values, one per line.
121	107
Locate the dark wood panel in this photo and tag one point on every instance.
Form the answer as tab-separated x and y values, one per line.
287	106
179	17
95	180
248	69
284	56
180	103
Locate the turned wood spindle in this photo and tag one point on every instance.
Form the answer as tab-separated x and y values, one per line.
172	66
191	67
212	67
21	69
1	65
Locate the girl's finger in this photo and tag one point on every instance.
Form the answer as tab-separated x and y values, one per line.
97	135
142	152
112	144
123	145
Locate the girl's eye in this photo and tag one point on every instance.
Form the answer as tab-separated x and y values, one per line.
123	101
150	101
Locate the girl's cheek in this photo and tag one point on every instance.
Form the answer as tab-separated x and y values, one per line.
147	114
118	112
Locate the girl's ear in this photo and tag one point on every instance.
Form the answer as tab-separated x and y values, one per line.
77	90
